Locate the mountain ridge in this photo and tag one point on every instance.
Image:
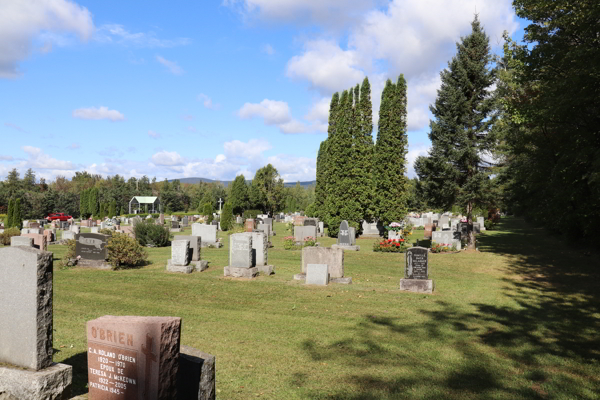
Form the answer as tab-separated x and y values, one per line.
195	180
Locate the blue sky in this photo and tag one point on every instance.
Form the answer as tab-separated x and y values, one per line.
214	88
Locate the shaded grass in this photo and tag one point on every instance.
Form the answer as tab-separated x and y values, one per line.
518	320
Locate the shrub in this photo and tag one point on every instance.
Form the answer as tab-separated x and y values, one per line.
391	246
236	228
488	224
124	251
251	214
8	233
227	217
311	210
106	231
150	234
289	243
69	259
207	211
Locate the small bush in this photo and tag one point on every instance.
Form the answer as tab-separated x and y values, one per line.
289	243
150	234
8	233
106	231
236	228
124	251
251	214
69	259
488	224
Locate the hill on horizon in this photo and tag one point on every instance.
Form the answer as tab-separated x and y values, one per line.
226	183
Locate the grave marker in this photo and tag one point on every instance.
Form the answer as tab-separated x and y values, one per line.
416	272
317	274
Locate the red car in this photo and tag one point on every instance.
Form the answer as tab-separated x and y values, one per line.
58	217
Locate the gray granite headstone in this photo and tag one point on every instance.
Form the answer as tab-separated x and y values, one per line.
69	235
317	274
302	232
240	251
21	241
185	221
26	307
180	252
174	224
344	235
195	245
208	233
417	263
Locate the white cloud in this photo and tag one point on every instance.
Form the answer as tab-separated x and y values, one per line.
250	150
319	114
326	66
207	102
220	158
413	37
6	158
39	160
74	146
11	125
293	169
171	65
273	113
414	151
98	113
118	34
167	159
23	21
153	135
268	49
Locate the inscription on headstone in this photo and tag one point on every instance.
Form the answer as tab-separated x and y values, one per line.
416	263
344	234
91	246
132	358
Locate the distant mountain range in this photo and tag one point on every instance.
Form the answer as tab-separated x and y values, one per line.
226	183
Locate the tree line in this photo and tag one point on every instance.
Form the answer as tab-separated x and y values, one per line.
86	194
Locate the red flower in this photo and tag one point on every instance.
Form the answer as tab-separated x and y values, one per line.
397	244
402	240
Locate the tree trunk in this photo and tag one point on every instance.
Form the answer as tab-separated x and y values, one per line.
470	233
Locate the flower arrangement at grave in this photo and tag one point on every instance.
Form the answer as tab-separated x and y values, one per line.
395	226
309	241
442	248
391	245
289	243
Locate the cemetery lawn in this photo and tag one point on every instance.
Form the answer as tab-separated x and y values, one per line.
518	320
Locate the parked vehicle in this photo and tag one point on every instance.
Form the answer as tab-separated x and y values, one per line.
58	217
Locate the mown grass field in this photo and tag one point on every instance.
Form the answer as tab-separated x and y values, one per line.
518	320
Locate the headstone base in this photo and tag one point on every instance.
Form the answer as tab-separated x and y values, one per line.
346	248
93	264
187	269
344	281
53	383
174	230
266	269
196	375
417	285
216	245
236	272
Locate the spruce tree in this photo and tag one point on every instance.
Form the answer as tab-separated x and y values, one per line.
391	194
93	205
9	214
112	209
17	220
455	171
83	203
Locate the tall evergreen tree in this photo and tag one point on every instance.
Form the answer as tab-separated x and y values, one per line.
391	191
9	215
239	198
455	171
17	218
83	203
320	188
227	216
112	209
340	203
93	205
362	144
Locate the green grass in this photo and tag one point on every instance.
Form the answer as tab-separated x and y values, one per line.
518	320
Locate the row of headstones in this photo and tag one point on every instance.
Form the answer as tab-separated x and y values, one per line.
128	357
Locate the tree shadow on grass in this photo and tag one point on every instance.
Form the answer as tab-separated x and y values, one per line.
544	344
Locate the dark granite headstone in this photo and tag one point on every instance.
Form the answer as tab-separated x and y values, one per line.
417	263
344	235
174	224
311	222
91	246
